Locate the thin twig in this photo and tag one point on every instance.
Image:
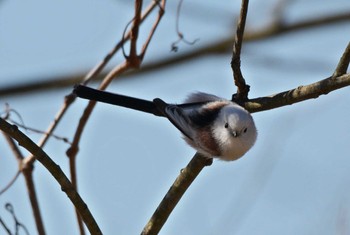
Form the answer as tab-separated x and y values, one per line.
19	157
27	170
133	59
343	63
177	190
16	151
10	183
242	87
5	227
27	128
55	171
74	180
28	177
161	7
181	37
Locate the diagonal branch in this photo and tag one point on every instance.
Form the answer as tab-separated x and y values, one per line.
161	6
55	171
177	190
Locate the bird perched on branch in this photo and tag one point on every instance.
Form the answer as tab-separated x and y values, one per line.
214	126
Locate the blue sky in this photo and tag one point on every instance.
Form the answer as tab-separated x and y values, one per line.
294	180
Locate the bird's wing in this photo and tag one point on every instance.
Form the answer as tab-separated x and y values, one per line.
178	115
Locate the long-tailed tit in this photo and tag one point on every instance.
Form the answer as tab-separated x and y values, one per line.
214	126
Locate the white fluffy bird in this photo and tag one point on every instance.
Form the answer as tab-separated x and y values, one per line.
214	126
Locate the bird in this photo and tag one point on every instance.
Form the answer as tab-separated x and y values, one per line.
214	126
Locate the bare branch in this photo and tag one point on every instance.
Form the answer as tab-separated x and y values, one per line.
242	87
19	157
177	190
55	171
28	176
161	6
298	94
16	151
27	170
135	32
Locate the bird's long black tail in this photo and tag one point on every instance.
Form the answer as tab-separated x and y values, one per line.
116	99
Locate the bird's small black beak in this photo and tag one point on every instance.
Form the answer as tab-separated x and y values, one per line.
234	134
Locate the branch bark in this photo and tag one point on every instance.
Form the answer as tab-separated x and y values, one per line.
242	87
177	190
298	94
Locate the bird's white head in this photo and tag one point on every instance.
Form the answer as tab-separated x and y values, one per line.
234	131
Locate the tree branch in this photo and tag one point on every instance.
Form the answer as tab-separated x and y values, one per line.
343	63
242	87
154	27
298	94
55	171
27	170
176	191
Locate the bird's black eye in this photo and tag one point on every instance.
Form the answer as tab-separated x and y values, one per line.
245	130
226	125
